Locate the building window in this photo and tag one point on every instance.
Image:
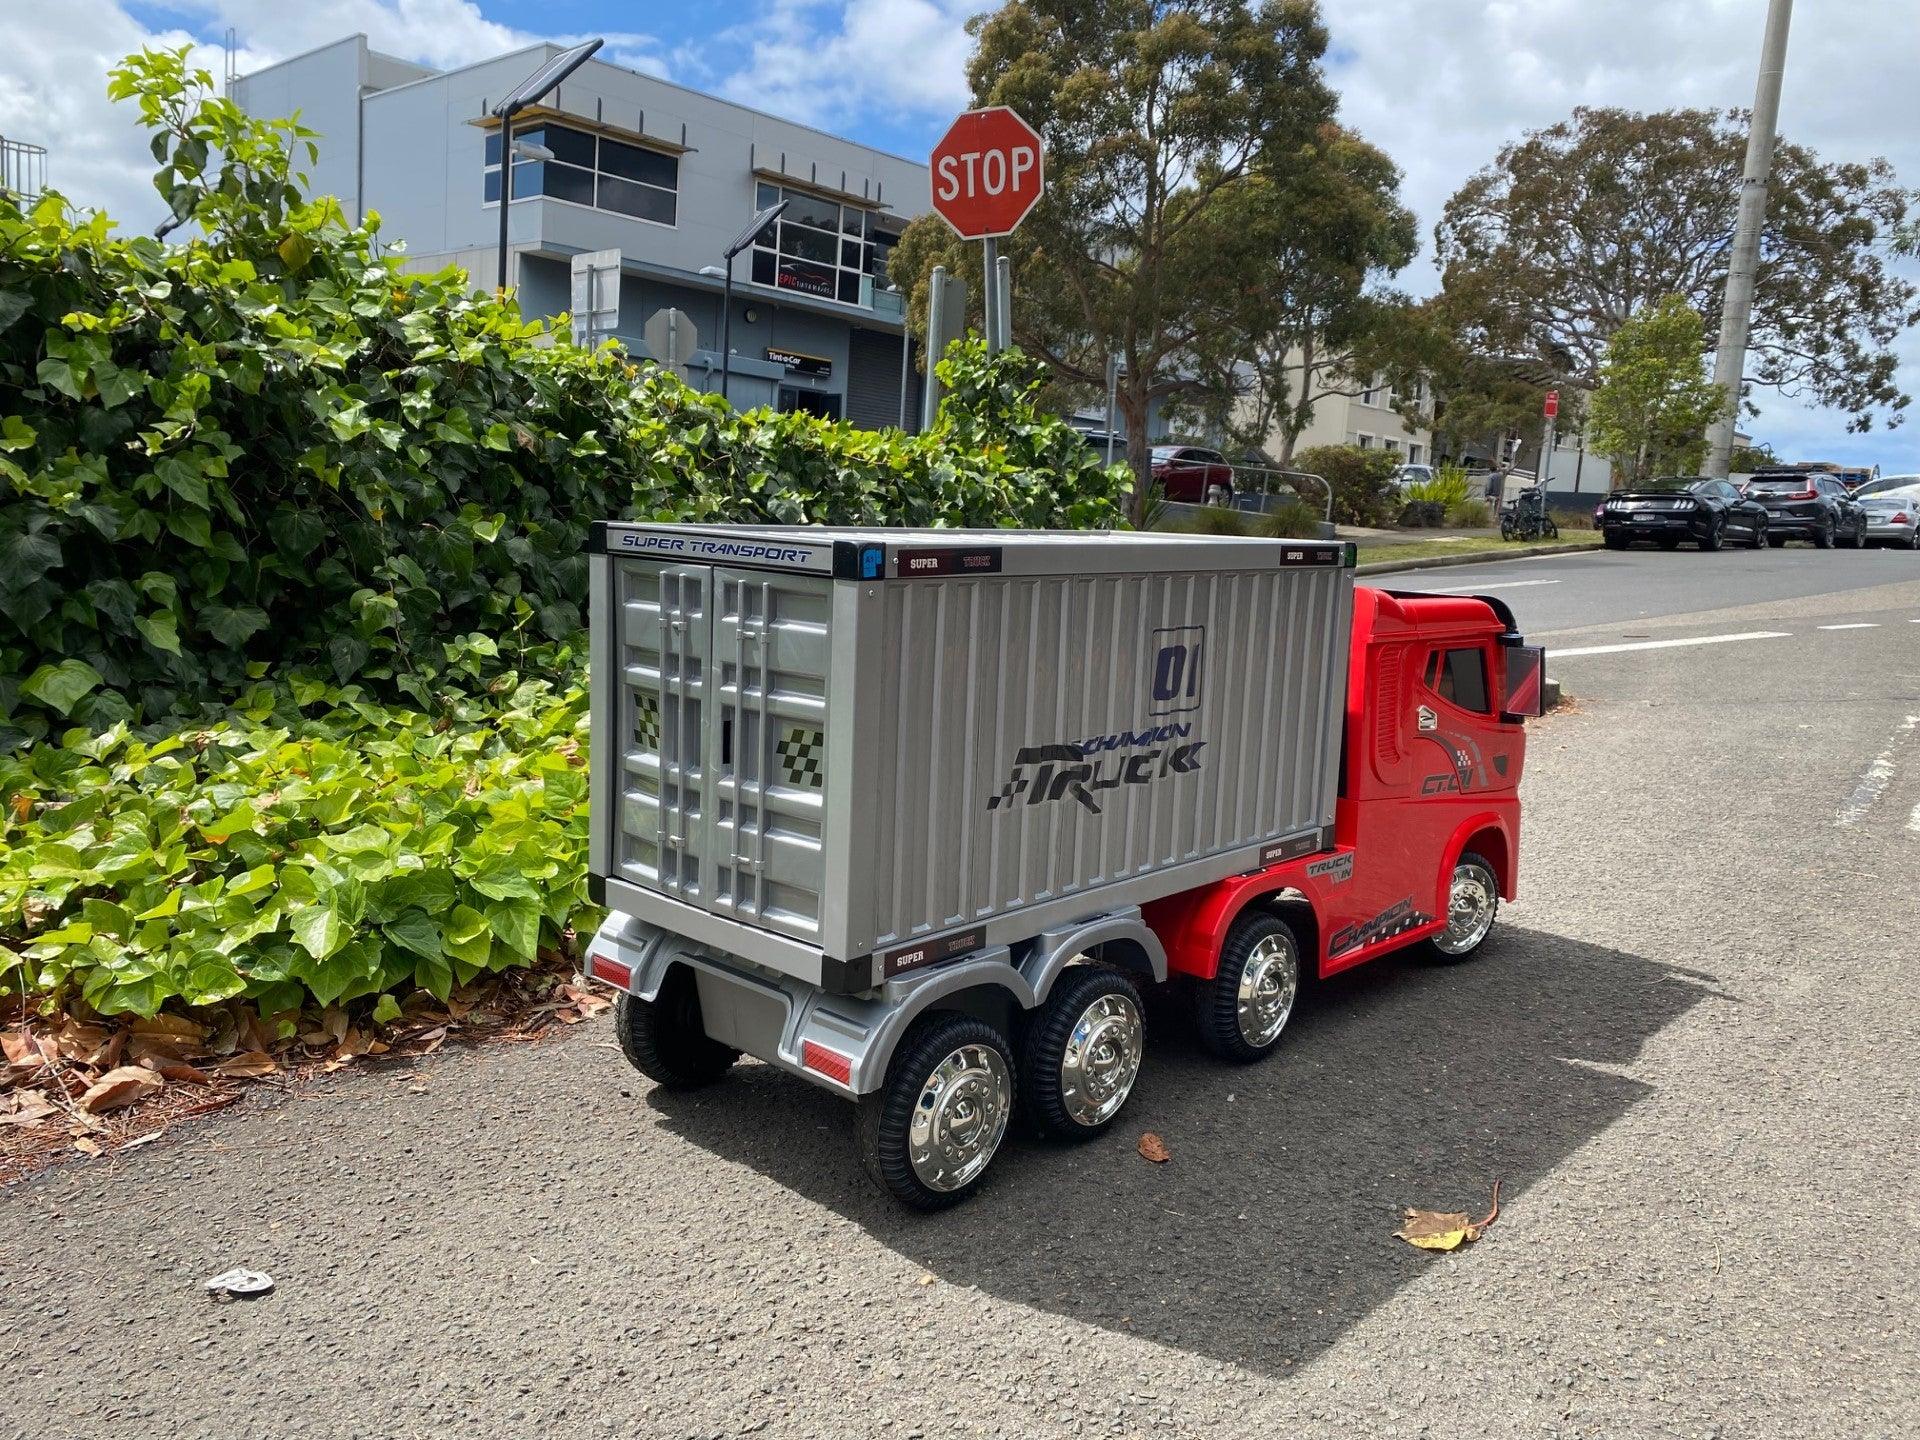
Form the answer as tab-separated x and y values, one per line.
1393	447
591	170
1365	441
1413	454
820	247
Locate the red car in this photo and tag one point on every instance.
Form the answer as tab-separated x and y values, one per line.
1188	472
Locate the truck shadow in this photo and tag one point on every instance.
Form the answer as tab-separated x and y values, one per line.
1270	1231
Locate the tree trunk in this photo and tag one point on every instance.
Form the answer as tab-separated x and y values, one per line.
1132	403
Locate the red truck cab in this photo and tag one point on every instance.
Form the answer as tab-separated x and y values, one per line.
1426	832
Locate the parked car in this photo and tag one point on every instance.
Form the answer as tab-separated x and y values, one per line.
1810	504
1683	507
1188	472
1412	475
1892	504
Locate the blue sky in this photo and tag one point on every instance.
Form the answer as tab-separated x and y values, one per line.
1440	84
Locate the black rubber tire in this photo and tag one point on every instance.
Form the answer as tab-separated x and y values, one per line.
1776	541
664	1040
1855	539
886	1113
1759	541
1716	533
1432	954
1823	537
1669	542
1613	542
1216	1001
1913	540
1045	1047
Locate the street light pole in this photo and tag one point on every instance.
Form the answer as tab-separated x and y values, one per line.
1730	361
726	333
506	192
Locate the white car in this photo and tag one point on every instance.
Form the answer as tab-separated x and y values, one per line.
1892	504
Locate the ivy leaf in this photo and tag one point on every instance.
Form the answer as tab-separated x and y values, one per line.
517	926
349	653
209	979
434	975
191	526
467	936
386	1010
499	878
15	433
59	687
415	931
160	629
318	930
297	533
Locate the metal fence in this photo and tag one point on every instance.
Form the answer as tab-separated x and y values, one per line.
23	170
1253	489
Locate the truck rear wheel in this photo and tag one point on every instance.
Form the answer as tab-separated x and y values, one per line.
1473	900
1082	1053
665	1040
1243	1009
929	1133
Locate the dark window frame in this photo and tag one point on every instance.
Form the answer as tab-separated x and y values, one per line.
594	174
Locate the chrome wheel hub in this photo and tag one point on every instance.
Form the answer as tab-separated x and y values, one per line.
960	1117
1269	981
1470	907
1102	1060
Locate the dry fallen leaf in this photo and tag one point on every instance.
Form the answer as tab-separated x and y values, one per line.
87	1146
1445	1229
120	1087
25	1108
1153	1148
21	1049
249	1064
176	1070
79	1041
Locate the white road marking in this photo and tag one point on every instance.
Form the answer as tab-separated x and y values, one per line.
1874	780
1913	820
1670	644
1487	585
1857	625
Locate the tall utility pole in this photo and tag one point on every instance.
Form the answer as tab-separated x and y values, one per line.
1730	362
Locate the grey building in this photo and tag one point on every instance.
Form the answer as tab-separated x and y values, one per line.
663	174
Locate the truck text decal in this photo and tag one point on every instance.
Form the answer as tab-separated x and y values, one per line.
1396	919
717	549
1047	772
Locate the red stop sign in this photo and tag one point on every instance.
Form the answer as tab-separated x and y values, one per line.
1552	407
987	172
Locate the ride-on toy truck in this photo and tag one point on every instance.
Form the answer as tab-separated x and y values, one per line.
914	815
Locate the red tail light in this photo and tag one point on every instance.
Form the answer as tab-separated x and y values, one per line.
605	967
1901	518
830	1063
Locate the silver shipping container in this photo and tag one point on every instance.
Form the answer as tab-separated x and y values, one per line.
844	753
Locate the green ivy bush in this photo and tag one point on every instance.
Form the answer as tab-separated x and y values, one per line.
308	843
283	533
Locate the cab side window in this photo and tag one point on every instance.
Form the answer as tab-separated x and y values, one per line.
1460	676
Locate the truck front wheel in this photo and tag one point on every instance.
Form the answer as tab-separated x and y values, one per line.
929	1133
1082	1053
664	1038
1243	1009
1473	899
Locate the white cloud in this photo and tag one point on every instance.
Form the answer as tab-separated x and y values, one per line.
823	62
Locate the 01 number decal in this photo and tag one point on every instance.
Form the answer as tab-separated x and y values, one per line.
1176	669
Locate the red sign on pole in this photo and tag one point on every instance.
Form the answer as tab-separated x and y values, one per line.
987	173
1552	407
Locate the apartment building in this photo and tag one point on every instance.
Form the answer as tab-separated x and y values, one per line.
663	174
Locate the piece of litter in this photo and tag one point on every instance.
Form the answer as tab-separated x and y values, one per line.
1153	1148
239	1283
1445	1230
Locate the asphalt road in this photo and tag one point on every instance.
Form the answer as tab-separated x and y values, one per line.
1690	1052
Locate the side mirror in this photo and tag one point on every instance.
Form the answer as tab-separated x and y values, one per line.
1524	690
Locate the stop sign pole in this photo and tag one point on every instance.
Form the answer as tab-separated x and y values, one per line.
988	173
1551	409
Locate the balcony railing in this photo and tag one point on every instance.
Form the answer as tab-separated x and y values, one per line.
23	170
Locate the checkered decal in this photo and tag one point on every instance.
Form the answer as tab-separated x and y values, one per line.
802	754
646	723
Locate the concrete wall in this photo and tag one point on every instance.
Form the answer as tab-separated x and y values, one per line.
324	86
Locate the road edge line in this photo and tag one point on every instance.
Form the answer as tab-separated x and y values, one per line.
1479	557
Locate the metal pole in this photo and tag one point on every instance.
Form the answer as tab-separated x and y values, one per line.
506	193
1113	386
1729	363
936	327
989	307
726	334
906	368
1546	455
1003	303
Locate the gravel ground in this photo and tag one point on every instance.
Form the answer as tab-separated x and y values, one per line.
1689	1052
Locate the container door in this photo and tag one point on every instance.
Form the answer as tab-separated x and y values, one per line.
665	641
767	733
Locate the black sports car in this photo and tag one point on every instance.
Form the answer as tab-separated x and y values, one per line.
1683	507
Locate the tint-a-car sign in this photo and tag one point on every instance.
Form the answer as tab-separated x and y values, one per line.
987	172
